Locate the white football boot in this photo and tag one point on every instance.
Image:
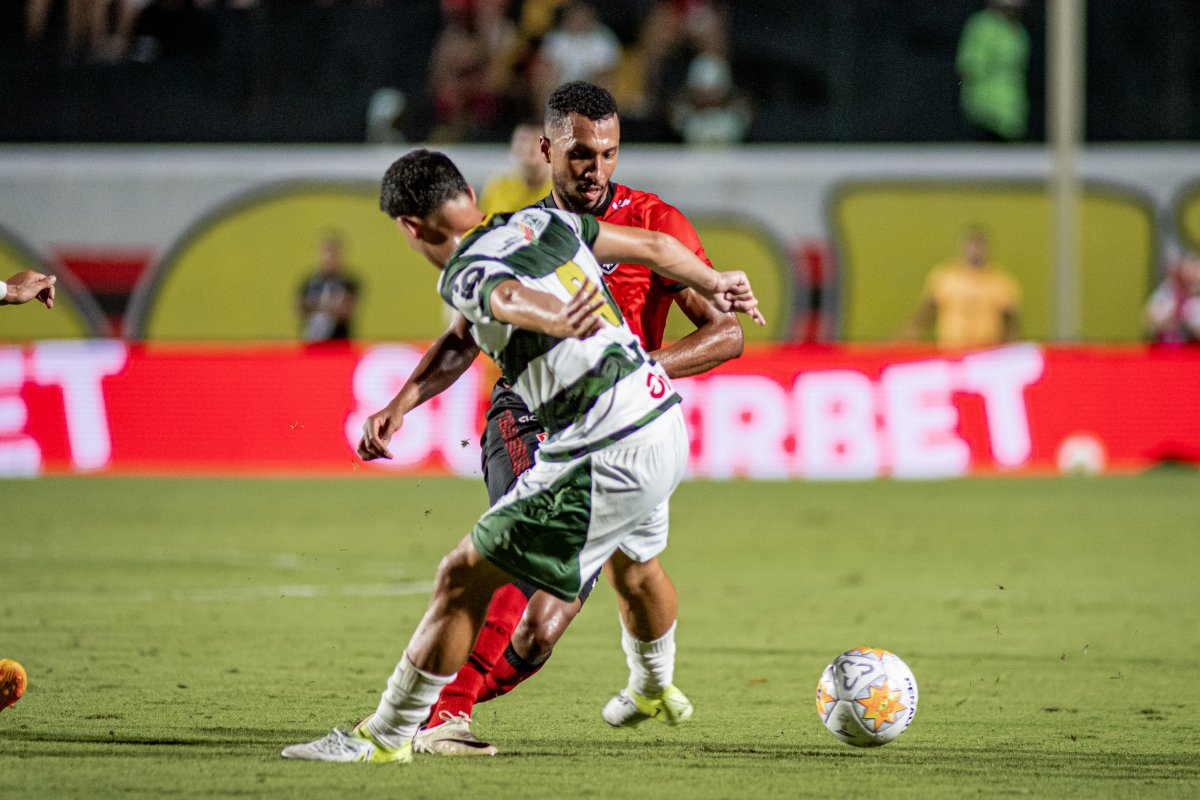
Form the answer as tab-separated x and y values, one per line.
453	737
356	747
628	708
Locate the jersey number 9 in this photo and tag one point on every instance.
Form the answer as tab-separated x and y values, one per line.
574	279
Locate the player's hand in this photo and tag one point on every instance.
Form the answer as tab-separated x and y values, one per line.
578	318
733	293
377	433
28	285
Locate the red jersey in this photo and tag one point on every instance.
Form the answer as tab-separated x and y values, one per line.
644	296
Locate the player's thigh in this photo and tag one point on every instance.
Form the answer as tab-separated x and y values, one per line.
466	578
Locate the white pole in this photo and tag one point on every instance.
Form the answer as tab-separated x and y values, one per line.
1065	104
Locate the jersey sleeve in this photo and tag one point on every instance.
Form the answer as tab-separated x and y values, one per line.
1013	295
589	229
666	218
468	288
585	226
935	281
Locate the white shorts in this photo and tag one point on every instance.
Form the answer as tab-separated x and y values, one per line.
563	519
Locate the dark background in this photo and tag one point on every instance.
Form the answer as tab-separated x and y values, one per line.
815	71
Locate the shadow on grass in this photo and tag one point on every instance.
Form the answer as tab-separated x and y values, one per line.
967	761
224	737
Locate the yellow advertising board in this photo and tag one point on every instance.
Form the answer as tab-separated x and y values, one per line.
889	234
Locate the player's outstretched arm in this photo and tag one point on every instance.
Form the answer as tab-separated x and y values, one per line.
26	286
729	290
443	363
519	305
716	339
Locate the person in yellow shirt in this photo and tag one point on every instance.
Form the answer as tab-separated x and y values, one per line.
528	183
969	301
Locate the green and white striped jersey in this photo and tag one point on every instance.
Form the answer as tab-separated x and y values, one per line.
587	393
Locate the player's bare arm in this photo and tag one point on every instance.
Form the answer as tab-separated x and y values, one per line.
1011	328
28	285
728	290
532	310
443	363
717	338
921	321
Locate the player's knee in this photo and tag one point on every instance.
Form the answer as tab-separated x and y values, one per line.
542	626
532	643
541	641
641	580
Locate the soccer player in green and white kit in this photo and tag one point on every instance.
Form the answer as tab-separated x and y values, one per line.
530	285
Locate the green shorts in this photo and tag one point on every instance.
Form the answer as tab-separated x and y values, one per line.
563	519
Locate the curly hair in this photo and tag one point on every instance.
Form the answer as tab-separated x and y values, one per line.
578	97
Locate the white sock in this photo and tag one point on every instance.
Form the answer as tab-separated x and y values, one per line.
405	703
651	664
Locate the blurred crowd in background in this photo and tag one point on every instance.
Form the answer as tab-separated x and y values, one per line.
700	71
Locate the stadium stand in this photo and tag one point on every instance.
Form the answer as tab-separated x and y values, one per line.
275	71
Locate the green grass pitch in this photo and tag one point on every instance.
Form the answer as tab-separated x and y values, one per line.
178	633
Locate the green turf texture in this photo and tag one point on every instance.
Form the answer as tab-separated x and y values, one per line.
178	633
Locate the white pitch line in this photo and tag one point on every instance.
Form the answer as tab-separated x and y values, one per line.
175	556
301	590
228	594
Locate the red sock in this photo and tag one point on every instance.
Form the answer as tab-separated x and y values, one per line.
504	612
506	675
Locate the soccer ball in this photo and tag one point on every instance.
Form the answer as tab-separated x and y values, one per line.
867	697
12	682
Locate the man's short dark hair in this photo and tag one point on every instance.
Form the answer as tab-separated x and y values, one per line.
417	183
579	97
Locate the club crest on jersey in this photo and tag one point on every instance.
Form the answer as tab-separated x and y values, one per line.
531	226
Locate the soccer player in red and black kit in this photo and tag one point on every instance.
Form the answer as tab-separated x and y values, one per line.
581	142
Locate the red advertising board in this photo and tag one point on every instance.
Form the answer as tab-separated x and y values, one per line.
777	412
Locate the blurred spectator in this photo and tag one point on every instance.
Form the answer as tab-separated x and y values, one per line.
525	185
538	17
384	113
109	39
580	48
971	301
328	297
1173	311
470	67
710	111
993	55
81	17
679	29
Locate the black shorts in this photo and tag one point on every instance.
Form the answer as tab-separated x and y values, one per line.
511	436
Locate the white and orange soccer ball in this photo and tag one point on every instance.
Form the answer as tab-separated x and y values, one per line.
867	697
12	682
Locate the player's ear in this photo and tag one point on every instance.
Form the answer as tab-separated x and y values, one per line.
409	225
544	145
471	190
